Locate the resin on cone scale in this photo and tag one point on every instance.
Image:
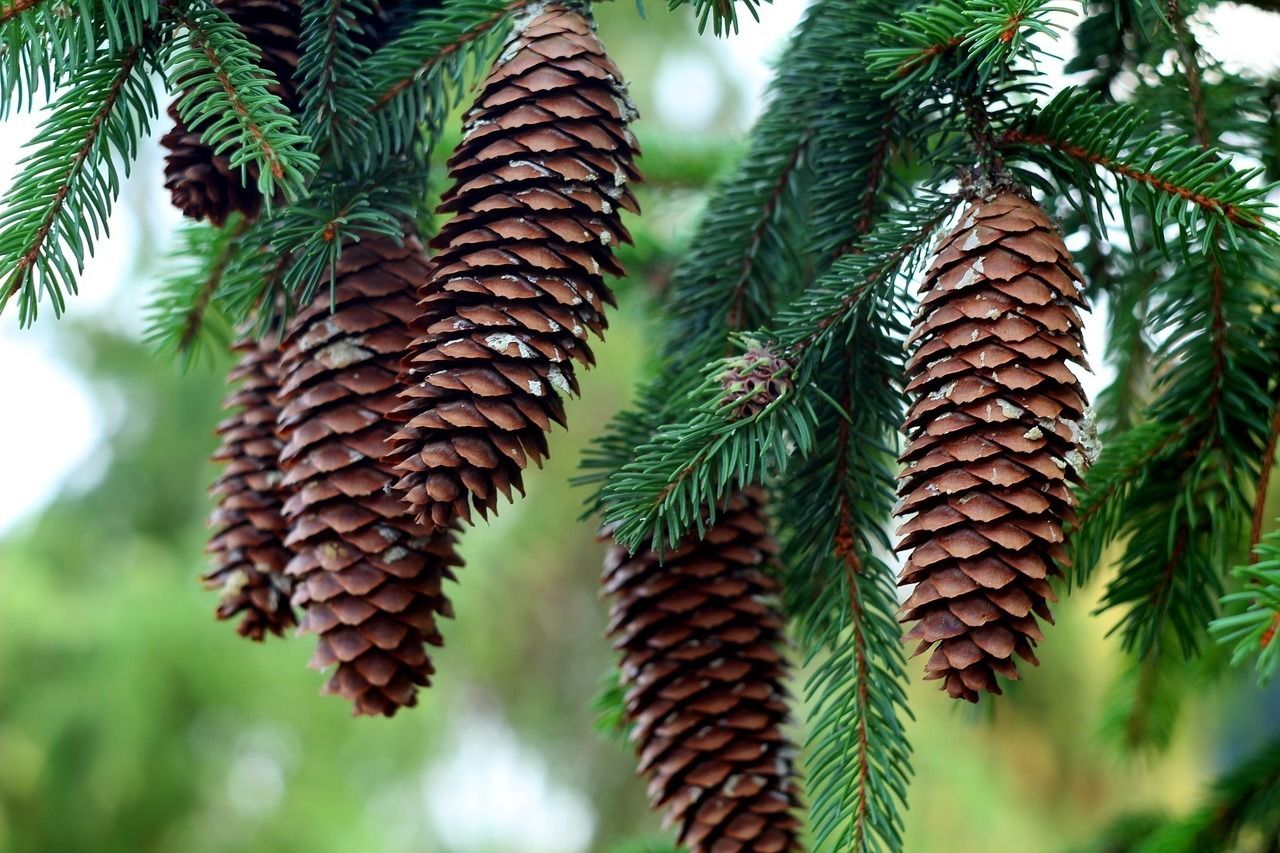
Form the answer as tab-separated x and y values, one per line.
996	430
368	577
703	668
247	546
540	179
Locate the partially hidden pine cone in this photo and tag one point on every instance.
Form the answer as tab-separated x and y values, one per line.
518	285
369	579
703	667
202	183
996	428
249	555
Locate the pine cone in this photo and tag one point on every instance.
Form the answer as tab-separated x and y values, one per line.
202	184
517	286
995	430
248	549
754	380
369	578
703	666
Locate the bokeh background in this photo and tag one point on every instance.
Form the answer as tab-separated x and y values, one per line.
131	721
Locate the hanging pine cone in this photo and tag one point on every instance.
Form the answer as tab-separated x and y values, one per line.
202	184
248	548
518	284
995	430
368	577
703	667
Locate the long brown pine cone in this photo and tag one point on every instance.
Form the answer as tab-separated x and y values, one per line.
248	549
703	666
518	284
996	428
201	183
369	579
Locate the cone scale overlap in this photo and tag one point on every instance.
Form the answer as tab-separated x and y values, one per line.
518	285
201	183
369	579
247	546
703	666
995	431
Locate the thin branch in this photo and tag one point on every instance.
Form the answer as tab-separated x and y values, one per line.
1264	485
201	38
16	8
432	60
194	321
734	317
1230	211
29	258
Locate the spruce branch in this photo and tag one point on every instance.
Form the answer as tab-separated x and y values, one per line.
60	201
686	469
1076	133
1142	706
1252	614
822	316
43	42
184	319
1244	802
331	74
302	244
226	97
946	40
835	508
721	14
415	79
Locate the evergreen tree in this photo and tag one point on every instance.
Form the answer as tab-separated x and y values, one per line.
902	143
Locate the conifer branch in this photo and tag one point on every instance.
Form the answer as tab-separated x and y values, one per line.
1079	131
1266	465
1241	805
42	42
226	96
415	78
61	199
331	73
722	14
184	319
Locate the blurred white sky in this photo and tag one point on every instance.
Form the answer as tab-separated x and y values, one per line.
50	424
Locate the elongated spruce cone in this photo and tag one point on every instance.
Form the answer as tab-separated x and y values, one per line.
368	577
518	284
201	183
703	667
996	428
249	555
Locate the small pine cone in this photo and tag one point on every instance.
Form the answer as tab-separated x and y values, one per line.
518	284
202	184
703	665
754	380
248	549
368	577
996	428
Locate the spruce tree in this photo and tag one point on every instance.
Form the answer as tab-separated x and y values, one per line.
877	316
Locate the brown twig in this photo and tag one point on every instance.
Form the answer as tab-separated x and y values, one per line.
1230	211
